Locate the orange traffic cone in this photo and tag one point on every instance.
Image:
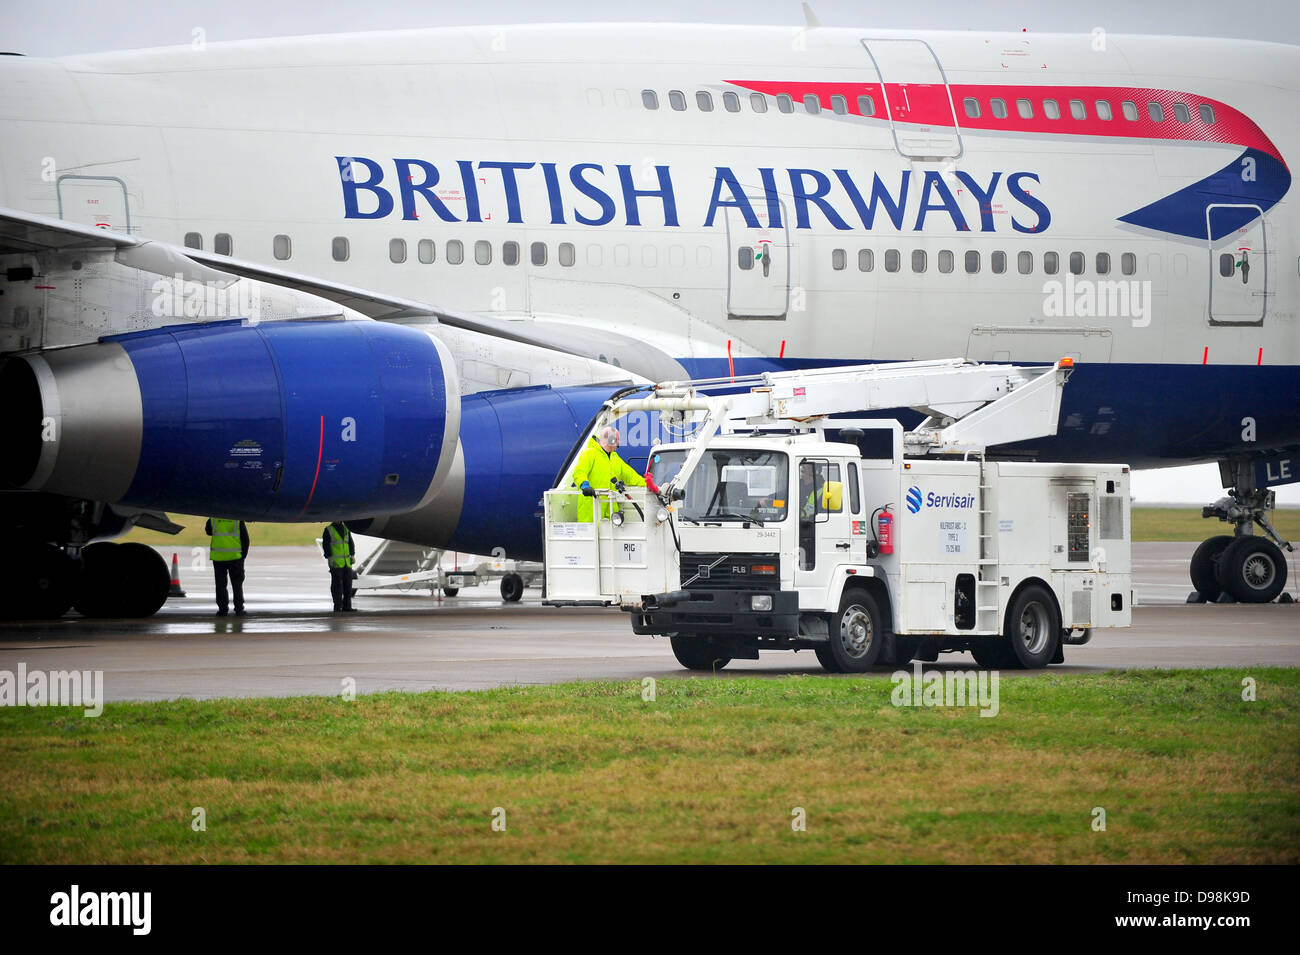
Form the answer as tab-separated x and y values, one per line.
176	590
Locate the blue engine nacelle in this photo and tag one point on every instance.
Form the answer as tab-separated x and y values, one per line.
287	421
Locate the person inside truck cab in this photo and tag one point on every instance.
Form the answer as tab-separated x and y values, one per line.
810	485
598	467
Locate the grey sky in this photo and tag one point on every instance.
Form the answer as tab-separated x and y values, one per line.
88	26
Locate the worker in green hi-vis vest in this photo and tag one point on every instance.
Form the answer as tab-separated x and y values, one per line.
339	548
227	550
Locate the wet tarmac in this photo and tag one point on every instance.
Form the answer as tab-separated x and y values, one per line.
290	643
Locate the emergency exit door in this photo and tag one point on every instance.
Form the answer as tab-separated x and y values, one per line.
916	97
1238	264
758	255
98	201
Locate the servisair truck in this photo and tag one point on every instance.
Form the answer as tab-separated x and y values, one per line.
778	527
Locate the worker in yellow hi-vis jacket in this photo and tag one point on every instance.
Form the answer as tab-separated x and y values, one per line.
598	467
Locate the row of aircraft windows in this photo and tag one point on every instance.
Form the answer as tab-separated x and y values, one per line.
946	261
1079	110
758	102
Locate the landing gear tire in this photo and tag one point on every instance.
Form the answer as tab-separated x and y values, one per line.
121	580
696	653
450	591
1252	570
857	634
1032	628
38	583
1205	566
512	588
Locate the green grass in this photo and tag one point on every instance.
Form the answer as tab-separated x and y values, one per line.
1186	524
710	772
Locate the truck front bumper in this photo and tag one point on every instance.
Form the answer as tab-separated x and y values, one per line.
717	613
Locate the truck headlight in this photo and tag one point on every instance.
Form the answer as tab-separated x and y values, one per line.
661	515
760	602
616	518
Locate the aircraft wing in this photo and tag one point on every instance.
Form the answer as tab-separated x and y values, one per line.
25	232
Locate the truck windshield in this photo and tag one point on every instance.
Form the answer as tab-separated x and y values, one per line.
729	484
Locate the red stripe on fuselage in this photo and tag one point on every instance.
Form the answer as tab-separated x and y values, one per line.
927	104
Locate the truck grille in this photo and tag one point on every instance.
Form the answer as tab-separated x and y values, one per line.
734	573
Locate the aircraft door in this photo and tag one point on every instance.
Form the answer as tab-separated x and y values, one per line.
758	270
98	201
916	98
1238	264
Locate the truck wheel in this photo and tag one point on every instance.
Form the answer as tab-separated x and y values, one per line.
1032	628
857	633
1205	566
512	587
825	658
1252	569
901	650
696	653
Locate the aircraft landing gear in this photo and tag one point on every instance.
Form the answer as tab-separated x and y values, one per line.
1240	567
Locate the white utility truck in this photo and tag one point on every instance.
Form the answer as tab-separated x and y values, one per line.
874	548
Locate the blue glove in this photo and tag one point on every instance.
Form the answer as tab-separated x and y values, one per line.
587	489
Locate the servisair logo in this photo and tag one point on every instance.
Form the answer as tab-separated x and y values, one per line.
916	500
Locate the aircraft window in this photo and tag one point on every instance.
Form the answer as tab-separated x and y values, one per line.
972	262
866	105
1130	110
812	103
758	102
945	261
1128	263
649	256
455	250
676	257
193	240
704	100
1156	112
621	99
567	254
972	107
222	244
426	252
397	251
1182	113
509	253
1078	110
1155	265
483	252
537	253
1025	109
595	255
1051	263
839	259
1103	110
745	258
1076	263
998	262
595	98
282	247
1227	265
1103	263
1207	114
866	260
622	255
999	107
339	248
784	103
1025	263
1051	109
918	260
839	105
892	260
649	99
677	100
731	102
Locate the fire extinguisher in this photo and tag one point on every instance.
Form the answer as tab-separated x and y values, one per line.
885	530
